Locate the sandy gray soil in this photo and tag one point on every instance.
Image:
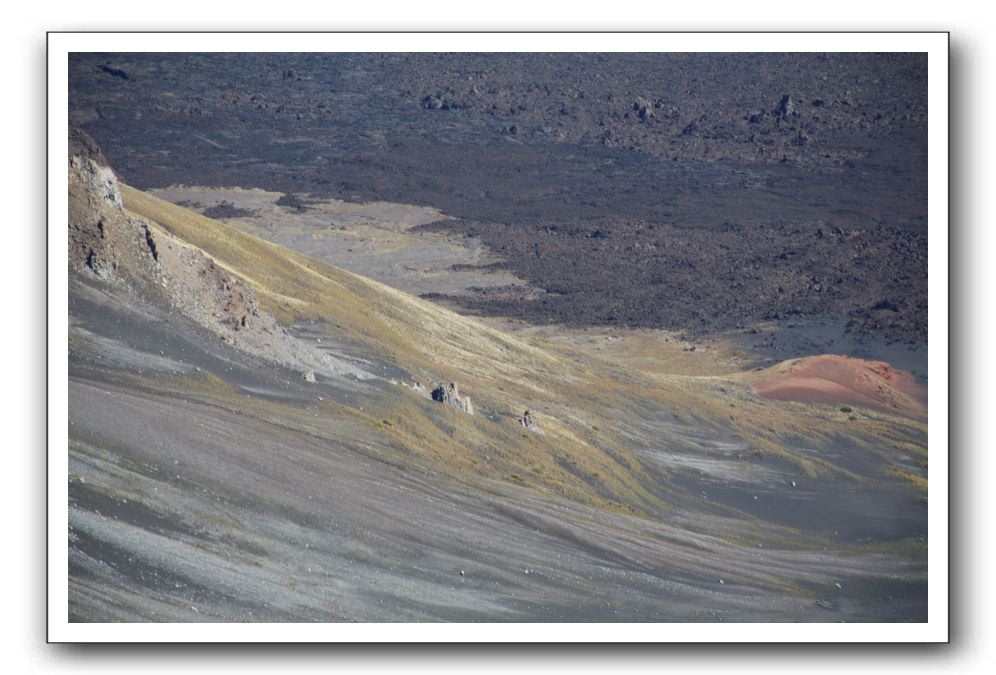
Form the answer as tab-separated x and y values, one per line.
184	509
199	514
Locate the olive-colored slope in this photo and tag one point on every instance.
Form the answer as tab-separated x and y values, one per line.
503	375
600	420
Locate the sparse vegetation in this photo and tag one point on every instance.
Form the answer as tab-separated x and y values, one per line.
633	427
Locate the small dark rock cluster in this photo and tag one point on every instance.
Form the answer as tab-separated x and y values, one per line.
225	210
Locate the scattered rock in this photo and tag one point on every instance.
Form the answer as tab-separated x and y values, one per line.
432	102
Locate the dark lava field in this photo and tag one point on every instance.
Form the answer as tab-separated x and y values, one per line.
704	193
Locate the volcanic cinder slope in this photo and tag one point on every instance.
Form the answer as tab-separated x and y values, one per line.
250	440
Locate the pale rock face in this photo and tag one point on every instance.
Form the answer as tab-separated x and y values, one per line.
110	243
101	179
97	223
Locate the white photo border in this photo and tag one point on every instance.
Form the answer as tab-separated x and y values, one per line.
935	44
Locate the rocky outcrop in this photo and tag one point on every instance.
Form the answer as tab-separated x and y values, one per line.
83	146
97	225
137	258
785	106
449	393
643	108
529	422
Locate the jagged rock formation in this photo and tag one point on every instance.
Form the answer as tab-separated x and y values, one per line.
82	145
98	229
449	393
136	255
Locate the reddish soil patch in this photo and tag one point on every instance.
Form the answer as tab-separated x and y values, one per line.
845	380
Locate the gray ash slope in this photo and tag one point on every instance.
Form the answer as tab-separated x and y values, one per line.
694	192
209	481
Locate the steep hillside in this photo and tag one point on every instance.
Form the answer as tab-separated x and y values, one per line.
504	374
247	423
